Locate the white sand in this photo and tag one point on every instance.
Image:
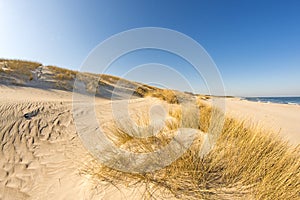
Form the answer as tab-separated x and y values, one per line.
281	118
42	158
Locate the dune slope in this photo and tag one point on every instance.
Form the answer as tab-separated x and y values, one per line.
41	156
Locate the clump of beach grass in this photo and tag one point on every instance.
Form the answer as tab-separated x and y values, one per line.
20	68
247	162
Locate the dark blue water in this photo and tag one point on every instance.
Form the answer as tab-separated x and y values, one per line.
281	100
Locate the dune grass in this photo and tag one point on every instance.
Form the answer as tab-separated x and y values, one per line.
20	68
163	94
20	64
24	71
61	73
247	162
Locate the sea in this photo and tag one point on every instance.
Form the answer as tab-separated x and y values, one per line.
280	100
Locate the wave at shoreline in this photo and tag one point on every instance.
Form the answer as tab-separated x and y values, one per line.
279	100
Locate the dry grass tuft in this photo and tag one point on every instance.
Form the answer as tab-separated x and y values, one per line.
163	94
246	163
19	68
62	74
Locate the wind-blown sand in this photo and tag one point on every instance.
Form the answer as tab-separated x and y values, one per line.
42	157
280	118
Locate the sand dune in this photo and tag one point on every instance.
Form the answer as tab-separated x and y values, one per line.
41	157
41	154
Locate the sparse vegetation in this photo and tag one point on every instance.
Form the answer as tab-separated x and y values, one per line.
20	69
109	78
246	163
23	71
20	66
164	94
62	74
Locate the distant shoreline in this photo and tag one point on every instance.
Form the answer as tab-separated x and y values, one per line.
276	100
279	117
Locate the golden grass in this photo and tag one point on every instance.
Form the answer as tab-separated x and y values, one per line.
62	74
24	71
20	64
19	68
246	163
109	78
163	94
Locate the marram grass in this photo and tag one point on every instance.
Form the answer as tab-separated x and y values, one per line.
247	162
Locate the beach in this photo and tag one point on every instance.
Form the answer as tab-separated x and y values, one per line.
149	100
279	118
42	156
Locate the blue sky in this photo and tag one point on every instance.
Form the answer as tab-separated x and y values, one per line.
255	44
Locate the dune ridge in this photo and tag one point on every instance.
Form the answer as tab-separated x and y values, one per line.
42	156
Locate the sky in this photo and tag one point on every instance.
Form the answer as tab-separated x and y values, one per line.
254	44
